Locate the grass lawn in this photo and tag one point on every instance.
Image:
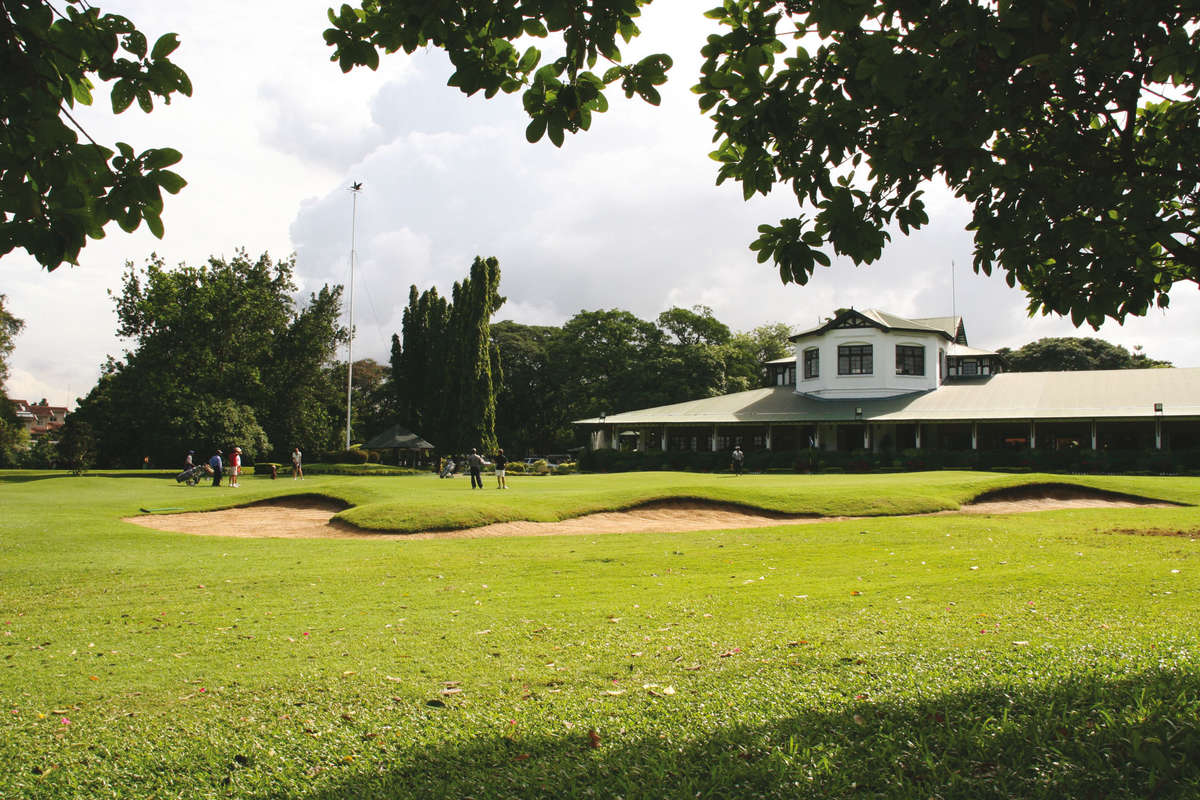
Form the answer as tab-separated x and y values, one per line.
1040	655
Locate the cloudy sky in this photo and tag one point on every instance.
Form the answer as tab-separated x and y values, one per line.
624	216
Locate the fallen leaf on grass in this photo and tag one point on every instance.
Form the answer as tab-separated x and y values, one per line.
449	690
614	692
593	738
731	652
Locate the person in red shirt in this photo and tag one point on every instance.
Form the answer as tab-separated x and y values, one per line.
235	466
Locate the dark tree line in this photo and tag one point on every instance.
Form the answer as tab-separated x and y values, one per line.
1070	353
610	361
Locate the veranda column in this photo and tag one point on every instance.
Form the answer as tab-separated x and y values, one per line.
768	436
917	437
974	435
1157	433
664	438
714	439
1094	437
866	437
1032	434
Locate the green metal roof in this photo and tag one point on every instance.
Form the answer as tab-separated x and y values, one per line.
946	326
1099	394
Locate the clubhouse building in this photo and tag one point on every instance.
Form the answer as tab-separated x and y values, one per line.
873	381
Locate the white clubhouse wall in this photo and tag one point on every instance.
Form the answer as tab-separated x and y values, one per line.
883	380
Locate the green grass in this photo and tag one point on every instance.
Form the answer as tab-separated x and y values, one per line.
1039	655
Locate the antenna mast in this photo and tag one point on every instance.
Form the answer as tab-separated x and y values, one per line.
355	188
953	292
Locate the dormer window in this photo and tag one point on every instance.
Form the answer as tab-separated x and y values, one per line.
854	359
812	363
910	360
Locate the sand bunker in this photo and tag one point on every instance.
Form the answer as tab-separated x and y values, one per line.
311	517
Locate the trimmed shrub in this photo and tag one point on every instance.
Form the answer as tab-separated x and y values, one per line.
355	455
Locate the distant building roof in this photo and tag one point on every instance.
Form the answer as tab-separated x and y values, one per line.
1096	394
950	327
399	438
956	349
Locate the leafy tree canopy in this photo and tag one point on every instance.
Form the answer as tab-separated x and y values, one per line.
56	191
11	431
220	355
1071	127
10	326
1075	353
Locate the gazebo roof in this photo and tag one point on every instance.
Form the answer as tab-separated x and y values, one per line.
397	438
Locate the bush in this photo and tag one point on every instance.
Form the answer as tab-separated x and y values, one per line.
355	455
1070	460
362	469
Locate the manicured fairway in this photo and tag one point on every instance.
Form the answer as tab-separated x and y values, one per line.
1042	655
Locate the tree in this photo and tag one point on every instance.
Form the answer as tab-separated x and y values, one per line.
605	362
1074	353
10	428
76	446
1071	127
693	326
445	367
220	356
749	350
55	191
530	418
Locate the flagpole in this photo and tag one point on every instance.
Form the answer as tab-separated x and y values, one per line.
355	188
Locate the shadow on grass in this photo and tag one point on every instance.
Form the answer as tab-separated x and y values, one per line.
25	476
1085	737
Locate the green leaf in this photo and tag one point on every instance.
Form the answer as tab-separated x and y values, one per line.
535	130
556	134
154	223
160	157
650	95
122	95
169	181
135	42
533	27
166	44
530	60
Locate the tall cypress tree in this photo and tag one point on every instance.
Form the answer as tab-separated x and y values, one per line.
443	362
475	300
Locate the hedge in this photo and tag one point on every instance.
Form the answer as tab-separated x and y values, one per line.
1074	460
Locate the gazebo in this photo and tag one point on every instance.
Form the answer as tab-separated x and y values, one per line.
399	439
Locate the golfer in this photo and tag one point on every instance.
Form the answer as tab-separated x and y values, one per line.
501	463
475	466
215	464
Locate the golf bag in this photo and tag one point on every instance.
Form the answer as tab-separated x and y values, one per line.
191	476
